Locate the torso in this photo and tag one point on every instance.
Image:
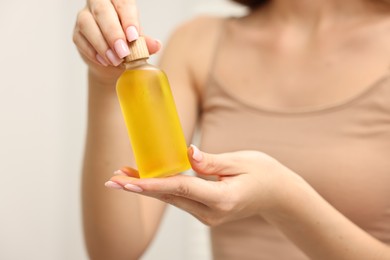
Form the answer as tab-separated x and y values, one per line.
342	151
323	112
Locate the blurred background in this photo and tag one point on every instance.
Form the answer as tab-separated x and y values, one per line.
42	130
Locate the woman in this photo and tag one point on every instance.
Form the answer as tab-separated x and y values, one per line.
300	87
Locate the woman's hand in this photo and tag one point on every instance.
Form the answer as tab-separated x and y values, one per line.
252	183
101	33
248	183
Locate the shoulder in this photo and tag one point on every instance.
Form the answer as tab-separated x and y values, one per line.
195	35
196	40
198	27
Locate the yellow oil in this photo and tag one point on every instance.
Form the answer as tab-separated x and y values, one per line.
152	122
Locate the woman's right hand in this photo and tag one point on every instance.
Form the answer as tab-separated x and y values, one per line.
101	33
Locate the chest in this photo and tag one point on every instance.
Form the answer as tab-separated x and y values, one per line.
282	73
342	151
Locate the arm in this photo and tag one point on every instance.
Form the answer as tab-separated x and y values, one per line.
116	225
320	230
252	183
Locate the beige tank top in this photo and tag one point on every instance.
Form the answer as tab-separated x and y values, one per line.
342	150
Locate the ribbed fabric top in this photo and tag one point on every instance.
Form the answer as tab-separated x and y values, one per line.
342	150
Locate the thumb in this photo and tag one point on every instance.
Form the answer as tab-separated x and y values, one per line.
213	164
153	44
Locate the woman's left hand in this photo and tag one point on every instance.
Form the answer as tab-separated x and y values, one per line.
252	183
246	183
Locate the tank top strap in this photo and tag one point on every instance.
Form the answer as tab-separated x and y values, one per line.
215	49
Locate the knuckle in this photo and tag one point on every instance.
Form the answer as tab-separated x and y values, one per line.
225	207
211	218
212	164
166	198
121	4
129	5
211	221
98	8
75	38
82	19
182	190
258	156
128	12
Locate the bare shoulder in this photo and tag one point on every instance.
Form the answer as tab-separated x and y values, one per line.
194	41
199	29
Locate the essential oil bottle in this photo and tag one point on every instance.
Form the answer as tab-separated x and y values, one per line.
149	110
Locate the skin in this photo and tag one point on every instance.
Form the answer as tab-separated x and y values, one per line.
295	44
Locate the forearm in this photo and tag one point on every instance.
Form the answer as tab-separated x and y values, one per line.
112	219
320	230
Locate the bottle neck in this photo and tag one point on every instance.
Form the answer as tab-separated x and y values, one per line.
135	63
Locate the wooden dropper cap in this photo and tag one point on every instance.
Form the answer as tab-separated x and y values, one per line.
138	50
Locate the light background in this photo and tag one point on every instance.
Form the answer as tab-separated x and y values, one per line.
42	130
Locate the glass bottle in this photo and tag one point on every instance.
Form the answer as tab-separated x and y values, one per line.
149	111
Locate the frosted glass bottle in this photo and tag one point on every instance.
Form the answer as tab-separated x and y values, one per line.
150	115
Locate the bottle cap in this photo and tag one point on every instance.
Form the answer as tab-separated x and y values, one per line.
138	50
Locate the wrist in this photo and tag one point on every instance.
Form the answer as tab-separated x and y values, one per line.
104	77
101	89
289	191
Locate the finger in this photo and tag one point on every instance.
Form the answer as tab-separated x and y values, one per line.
214	164
153	45
87	27
127	171
194	188
87	50
128	16
195	208
108	22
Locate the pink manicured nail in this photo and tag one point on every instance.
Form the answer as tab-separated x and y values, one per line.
196	154
119	172
101	60
159	43
115	60
131	33
121	48
132	187
113	185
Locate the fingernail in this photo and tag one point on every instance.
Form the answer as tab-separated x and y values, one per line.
196	153
113	185
119	172
101	60
113	57
121	48
132	187
131	33
159	44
